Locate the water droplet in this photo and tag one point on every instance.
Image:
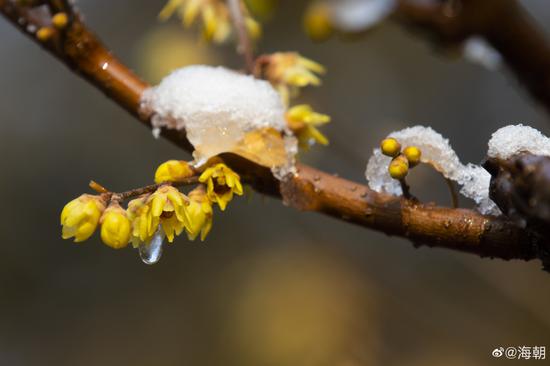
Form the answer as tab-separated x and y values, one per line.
151	253
105	66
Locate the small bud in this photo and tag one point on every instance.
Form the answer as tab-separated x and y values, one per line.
413	154
44	34
115	227
173	171
390	147
60	20
399	167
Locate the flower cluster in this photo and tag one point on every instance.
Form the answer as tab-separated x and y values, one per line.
402	160
158	208
288	72
215	16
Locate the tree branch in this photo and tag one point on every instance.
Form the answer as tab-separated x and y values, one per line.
503	23
310	189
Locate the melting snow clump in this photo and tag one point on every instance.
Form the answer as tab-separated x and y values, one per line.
436	150
215	106
515	139
358	15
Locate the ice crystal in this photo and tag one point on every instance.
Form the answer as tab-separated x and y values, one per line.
514	139
215	106
436	150
358	15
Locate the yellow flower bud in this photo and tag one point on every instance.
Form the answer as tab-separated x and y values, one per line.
413	154
390	147
44	34
317	22
399	167
173	171
200	214
115	227
169	208
221	183
81	216
60	20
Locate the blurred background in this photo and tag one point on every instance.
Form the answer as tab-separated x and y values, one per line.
270	286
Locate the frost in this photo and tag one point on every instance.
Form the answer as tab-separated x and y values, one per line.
358	15
478	51
216	107
514	139
436	150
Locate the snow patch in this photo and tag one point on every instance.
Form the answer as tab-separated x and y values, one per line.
358	15
215	106
514	139
436	150
478	51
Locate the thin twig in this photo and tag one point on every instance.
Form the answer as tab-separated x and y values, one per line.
452	190
245	45
141	190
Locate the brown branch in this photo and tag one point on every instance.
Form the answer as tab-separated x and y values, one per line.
503	23
310	189
136	192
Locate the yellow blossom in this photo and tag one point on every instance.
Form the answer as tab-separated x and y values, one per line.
200	214
221	183
413	155
214	14
390	147
81	216
115	227
173	171
399	167
44	34
169	208
288	71
60	20
303	121
317	22
143	225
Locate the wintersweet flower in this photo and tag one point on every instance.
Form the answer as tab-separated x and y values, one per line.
115	227
143	225
289	71
173	171
215	16
200	214
221	183
80	217
303	121
169	209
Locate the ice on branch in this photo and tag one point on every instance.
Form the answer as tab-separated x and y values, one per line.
514	139
219	109
359	15
436	151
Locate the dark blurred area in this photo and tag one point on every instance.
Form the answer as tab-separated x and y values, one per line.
270	286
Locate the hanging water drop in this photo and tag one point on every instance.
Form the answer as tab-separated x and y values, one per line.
151	253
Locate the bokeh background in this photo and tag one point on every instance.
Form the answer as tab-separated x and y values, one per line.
270	286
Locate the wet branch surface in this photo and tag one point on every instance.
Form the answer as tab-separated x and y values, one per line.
310	189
